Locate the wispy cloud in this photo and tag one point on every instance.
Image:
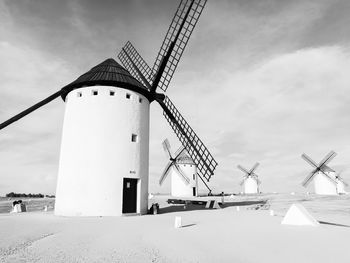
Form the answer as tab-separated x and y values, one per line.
259	81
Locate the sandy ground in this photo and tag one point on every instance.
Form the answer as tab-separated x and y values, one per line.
223	235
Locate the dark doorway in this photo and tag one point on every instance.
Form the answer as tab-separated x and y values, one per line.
129	195
194	191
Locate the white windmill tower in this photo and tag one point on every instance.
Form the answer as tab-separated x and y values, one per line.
103	168
326	181
183	172
250	180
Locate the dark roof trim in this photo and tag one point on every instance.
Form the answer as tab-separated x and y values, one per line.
107	73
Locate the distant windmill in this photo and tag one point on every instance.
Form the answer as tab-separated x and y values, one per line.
326	181
183	172
250	180
104	158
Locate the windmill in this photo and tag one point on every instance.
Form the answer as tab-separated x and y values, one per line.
250	180
326	181
103	168
183	172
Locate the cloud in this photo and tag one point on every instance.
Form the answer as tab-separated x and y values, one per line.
251	82
30	147
271	112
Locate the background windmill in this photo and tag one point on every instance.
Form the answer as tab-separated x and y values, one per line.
326	181
95	148
183	172
250	180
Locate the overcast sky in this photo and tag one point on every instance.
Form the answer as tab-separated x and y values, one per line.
260	80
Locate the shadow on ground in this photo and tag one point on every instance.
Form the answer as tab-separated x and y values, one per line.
332	224
183	206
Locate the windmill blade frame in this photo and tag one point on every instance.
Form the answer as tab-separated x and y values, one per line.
258	181
329	178
175	41
342	180
199	153
166	147
33	108
179	151
243	180
244	170
135	64
309	160
181	173
253	168
309	178
326	168
165	172
329	157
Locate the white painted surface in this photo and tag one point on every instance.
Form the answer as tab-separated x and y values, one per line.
340	187
178	222
97	152
323	185
250	186
299	216
178	185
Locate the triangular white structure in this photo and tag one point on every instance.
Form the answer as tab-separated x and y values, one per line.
297	215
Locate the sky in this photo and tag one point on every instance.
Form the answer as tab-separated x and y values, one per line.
260	81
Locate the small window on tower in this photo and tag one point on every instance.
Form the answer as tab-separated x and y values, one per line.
140	100
133	137
111	92
94	92
194	176
128	96
79	94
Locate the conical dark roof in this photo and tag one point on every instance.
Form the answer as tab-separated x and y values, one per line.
107	73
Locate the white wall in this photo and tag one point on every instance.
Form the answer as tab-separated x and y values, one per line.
178	186
250	186
97	152
323	185
340	187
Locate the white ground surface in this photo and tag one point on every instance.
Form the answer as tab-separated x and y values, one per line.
224	235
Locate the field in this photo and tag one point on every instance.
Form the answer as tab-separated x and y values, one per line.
207	235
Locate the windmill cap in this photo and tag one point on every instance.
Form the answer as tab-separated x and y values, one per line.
107	73
184	158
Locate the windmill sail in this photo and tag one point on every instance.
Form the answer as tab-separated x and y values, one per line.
328	158
182	174
309	160
165	173
189	139
135	64
166	147
175	41
32	108
321	167
253	168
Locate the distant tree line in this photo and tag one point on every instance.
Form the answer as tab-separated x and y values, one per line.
12	194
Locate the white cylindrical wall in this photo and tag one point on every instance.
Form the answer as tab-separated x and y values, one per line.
178	186
340	187
323	186
97	151
250	186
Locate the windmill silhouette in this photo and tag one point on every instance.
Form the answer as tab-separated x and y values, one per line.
89	160
250	180
326	181
183	172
